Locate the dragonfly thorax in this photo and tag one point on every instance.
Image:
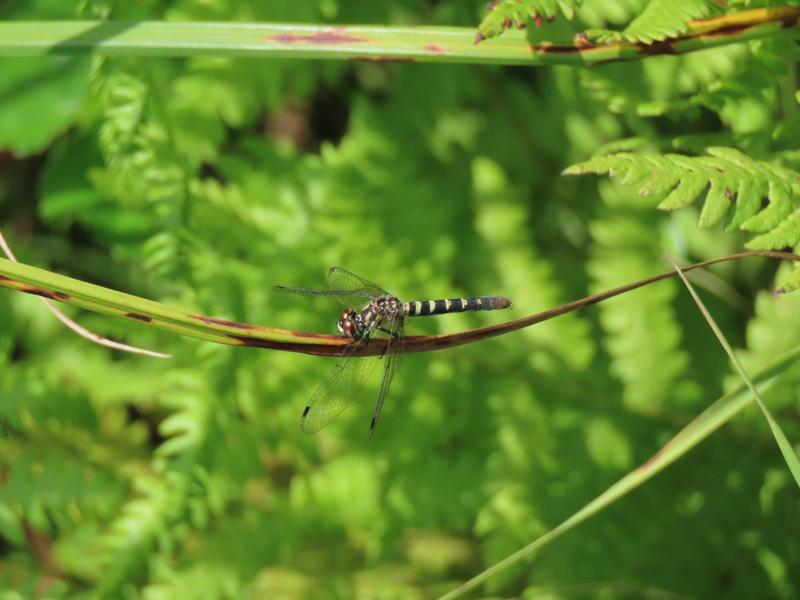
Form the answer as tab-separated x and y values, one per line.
381	309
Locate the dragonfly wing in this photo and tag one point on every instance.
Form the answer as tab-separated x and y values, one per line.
351	290
360	298
300	290
394	352
342	280
338	390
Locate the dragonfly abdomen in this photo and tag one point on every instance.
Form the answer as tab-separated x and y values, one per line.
422	308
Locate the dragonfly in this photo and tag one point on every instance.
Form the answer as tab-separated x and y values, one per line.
370	311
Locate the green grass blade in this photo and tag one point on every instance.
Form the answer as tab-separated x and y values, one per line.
111	302
789	455
711	419
371	43
40	282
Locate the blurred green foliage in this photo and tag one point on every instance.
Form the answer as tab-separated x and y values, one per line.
202	182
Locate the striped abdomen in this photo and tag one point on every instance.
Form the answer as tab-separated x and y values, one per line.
423	308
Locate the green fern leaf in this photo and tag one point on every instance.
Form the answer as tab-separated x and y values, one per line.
717	203
790	282
133	536
51	489
689	187
787	233
728	179
643	334
204	580
145	169
186	428
518	253
773	330
748	201
518	13
660	20
780	197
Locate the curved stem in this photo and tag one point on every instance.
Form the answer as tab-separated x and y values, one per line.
92	297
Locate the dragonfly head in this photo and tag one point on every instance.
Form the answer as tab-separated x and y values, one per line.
348	323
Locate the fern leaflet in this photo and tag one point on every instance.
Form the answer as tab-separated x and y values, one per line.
661	19
507	13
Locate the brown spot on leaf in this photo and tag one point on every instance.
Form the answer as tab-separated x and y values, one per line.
728	30
537	20
330	36
479	37
435	49
222	322
138	317
656	48
383	58
548	48
790	21
46	293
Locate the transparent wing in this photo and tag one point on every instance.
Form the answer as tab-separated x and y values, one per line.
338	390
347	287
362	298
394	353
344	281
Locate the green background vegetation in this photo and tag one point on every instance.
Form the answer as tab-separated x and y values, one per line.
201	182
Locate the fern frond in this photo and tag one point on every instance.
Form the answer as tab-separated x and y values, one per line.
732	184
133	537
145	170
203	580
729	180
643	336
661	19
772	331
518	13
57	489
517	254
187	427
